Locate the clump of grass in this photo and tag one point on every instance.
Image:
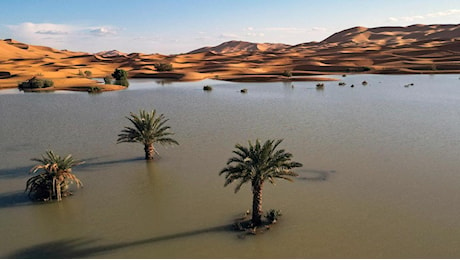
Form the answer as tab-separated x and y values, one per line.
272	215
287	73
94	90
163	66
320	85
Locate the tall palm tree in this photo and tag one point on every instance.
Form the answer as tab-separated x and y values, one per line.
55	176
256	164
148	129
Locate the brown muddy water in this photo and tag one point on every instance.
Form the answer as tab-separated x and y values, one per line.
381	173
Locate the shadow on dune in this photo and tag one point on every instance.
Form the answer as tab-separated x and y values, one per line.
81	248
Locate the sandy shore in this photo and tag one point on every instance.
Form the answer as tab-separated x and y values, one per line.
417	49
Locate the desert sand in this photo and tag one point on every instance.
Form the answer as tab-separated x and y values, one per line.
427	49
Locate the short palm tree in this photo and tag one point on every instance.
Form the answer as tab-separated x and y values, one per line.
55	176
256	164
148	129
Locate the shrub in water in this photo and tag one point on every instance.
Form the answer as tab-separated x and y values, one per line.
287	73
107	80
273	215
36	83
121	77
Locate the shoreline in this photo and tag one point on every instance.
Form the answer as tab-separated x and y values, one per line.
95	86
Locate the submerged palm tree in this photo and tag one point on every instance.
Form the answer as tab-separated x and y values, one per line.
54	178
256	164
148	129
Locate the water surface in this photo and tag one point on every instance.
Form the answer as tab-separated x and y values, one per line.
380	176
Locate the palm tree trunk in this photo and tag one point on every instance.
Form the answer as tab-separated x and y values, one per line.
149	151
257	204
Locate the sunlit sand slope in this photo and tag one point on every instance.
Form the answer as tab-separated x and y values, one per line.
411	49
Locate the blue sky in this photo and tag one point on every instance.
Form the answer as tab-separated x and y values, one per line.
177	26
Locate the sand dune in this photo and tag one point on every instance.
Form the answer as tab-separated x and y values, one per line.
411	49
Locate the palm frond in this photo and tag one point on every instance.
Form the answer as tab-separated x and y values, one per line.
259	162
54	175
147	128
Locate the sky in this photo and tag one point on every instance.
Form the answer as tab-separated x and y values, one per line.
180	26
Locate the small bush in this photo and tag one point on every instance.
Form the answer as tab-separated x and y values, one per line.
94	90
287	73
273	215
163	66
207	88
122	82
121	77
88	73
107	80
36	83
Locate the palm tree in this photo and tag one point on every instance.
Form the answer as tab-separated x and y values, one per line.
54	178
256	164
148	129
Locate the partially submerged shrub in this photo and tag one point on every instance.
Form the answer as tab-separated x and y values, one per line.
54	177
94	90
108	80
163	66
36	83
320	85
272	215
244	90
121	77
207	88
287	73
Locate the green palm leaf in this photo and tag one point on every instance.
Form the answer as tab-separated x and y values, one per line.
256	164
147	129
54	177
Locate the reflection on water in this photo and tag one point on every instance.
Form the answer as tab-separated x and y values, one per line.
380	176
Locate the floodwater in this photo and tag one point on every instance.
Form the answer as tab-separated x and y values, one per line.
381	172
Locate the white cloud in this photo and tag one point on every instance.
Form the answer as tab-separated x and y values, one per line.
414	18
444	13
319	29
229	36
286	29
103	31
59	35
30	29
52	32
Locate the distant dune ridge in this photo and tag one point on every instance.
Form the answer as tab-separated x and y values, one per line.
412	49
240	46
